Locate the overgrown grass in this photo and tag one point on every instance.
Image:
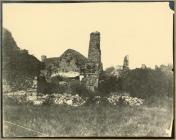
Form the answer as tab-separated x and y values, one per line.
87	120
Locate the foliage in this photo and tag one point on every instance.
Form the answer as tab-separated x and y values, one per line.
42	85
57	79
142	83
78	88
19	67
54	86
72	55
145	83
108	84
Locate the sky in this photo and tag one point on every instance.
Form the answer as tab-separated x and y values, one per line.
144	31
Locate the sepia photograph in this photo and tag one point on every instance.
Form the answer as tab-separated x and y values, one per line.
87	69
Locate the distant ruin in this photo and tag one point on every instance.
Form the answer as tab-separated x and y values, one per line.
126	63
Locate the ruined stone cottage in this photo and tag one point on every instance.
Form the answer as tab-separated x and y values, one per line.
73	65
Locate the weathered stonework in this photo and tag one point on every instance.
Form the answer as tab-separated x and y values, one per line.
92	82
94	47
90	74
94	54
94	66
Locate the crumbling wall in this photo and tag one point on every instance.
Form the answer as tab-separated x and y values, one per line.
92	82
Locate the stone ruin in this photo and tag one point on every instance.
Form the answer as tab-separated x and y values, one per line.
89	69
87	72
126	63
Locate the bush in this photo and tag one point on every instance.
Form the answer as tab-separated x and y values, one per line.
57	79
109	84
145	83
77	88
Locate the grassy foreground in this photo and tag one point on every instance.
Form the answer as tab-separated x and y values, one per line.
86	120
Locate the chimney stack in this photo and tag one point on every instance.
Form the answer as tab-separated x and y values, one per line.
94	54
43	58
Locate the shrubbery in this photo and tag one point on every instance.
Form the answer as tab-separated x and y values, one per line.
60	86
142	83
146	83
77	88
109	84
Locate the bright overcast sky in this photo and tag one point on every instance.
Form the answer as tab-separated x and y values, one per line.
141	30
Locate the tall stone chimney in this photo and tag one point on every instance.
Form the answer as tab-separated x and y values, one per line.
94	53
93	66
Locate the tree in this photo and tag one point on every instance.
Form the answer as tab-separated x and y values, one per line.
19	67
